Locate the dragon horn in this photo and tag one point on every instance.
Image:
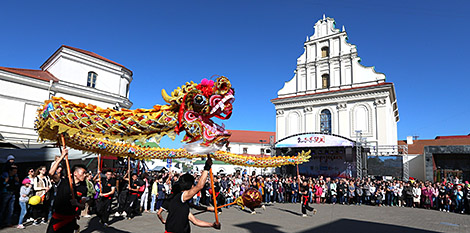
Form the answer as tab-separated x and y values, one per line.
166	97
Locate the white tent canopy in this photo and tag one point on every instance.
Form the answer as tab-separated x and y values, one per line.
41	154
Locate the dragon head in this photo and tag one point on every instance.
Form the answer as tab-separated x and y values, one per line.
196	104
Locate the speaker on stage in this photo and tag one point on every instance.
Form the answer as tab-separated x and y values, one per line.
349	154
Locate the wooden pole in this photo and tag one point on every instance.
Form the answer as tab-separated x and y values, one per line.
213	194
298	181
298	175
129	172
99	172
218	207
69	175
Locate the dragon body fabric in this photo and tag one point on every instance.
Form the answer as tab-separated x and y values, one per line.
189	109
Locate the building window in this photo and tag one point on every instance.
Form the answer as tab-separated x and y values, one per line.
325	52
228	149
91	82
325	121
325	81
245	150
262	151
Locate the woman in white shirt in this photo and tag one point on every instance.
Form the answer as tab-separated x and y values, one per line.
416	195
42	184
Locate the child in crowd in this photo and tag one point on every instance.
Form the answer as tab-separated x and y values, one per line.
448	203
23	200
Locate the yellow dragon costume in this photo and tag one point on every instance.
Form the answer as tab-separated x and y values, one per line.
189	109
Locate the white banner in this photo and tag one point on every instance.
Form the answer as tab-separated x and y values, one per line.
314	140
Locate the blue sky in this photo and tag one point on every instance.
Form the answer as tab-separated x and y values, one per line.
421	46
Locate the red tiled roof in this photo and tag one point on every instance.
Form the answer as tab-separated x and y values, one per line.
324	92
418	145
245	136
89	54
37	74
453	137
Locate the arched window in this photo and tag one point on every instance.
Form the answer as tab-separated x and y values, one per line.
325	121
294	123
361	118
325	52
91	81
325	81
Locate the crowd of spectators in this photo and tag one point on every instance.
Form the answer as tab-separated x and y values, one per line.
148	190
447	196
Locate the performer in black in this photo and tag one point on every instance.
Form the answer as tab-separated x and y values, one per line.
304	200
123	191
103	206
132	205
166	202
178	208
66	209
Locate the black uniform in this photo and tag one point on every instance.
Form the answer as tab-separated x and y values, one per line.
123	193
103	206
304	193
64	214
132	205
178	212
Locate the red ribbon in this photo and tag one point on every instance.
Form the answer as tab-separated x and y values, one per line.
64	220
305	199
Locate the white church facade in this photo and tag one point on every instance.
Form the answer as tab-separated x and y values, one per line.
74	74
332	93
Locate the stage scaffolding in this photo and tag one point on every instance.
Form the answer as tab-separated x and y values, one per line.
363	150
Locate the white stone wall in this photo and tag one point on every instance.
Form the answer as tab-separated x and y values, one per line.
216	168
20	96
367	110
358	97
342	65
252	149
19	99
73	67
416	166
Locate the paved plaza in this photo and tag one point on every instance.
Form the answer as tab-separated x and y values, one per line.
287	218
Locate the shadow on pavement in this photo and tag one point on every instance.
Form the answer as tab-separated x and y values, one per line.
342	225
94	225
259	227
289	211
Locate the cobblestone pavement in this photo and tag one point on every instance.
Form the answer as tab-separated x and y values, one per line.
287	218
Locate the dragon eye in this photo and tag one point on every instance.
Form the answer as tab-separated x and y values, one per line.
200	100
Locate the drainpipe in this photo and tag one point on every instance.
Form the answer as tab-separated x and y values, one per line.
50	87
